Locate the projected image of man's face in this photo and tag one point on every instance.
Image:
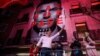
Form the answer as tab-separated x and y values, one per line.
47	15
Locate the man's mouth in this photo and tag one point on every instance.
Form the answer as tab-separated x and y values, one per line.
45	21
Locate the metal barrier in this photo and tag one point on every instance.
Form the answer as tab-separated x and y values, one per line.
24	51
68	52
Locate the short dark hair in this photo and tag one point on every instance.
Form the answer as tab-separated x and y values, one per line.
48	1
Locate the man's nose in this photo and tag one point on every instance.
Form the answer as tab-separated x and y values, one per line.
46	14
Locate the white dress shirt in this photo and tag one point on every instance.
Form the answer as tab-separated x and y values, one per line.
46	41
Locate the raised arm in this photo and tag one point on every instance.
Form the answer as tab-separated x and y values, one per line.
91	41
58	33
61	29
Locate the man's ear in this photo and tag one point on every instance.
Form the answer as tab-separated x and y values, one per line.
35	16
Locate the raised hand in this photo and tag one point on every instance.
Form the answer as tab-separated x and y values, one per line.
62	28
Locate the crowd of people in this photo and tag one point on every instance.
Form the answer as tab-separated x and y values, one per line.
47	49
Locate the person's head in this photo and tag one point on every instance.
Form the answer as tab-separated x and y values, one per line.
48	33
86	36
47	13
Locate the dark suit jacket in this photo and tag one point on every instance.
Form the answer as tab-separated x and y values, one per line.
62	36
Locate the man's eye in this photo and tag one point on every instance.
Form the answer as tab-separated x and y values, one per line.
53	9
41	11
